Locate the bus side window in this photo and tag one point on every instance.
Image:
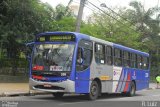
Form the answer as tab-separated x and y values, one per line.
139	61
109	55
126	59
145	63
99	53
84	55
117	57
133	60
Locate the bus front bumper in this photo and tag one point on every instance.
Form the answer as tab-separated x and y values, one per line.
67	86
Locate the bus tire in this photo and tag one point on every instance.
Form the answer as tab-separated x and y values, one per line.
58	94
132	90
94	91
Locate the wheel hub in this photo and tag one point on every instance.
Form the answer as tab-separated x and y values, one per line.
94	90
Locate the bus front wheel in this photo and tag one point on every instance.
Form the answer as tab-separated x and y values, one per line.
94	91
58	95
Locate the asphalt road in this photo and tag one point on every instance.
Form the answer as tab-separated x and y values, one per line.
145	98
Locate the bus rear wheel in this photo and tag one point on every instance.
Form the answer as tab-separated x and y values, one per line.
94	91
132	90
58	94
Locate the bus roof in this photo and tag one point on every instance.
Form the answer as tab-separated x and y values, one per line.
84	36
78	35
51	33
130	50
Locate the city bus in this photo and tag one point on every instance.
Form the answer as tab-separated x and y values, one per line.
71	62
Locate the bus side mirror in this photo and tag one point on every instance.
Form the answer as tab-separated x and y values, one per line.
28	57
28	53
80	58
28	50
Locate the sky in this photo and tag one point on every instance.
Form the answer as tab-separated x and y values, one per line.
109	3
147	3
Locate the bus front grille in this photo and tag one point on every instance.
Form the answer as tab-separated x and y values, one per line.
49	88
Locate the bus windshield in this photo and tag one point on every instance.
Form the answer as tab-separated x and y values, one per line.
52	57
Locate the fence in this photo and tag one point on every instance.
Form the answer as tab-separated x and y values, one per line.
13	67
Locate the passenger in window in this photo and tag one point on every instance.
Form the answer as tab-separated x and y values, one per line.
50	58
39	60
128	64
87	57
109	62
97	58
117	62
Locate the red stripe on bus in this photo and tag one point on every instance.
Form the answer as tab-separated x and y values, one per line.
127	82
37	77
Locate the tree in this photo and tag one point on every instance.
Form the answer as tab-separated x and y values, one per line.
147	23
62	11
143	20
65	24
20	20
106	27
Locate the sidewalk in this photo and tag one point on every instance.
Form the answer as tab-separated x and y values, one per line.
152	86
13	89
16	89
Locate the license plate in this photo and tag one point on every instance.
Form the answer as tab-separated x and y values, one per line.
56	68
47	85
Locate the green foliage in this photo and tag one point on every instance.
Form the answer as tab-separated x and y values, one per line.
104	27
65	24
20	20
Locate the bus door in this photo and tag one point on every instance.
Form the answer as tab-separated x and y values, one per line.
83	61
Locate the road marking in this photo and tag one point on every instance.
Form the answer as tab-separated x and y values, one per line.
112	99
155	95
70	103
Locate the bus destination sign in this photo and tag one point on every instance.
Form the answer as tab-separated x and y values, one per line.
56	38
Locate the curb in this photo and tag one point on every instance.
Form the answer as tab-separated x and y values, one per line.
14	94
152	88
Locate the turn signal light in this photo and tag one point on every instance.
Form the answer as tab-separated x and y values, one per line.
38	68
